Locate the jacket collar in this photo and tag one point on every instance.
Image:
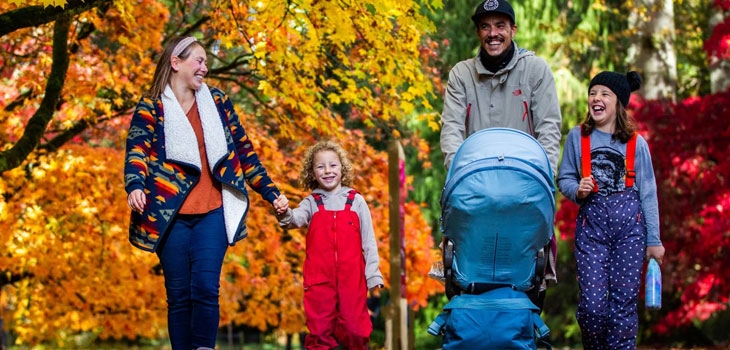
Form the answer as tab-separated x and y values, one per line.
519	53
179	134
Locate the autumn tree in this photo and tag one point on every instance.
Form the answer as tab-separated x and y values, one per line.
298	71
693	172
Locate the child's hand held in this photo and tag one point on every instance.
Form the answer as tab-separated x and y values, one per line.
281	204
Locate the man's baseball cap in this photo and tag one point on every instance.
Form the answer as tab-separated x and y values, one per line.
493	6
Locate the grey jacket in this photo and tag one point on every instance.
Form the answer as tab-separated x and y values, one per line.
302	215
520	96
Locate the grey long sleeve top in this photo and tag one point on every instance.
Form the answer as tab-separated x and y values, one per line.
302	215
607	160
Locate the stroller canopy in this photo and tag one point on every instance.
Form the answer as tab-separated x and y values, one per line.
498	207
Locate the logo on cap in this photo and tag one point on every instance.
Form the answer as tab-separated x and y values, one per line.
491	5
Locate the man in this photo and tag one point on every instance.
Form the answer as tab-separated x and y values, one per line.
504	86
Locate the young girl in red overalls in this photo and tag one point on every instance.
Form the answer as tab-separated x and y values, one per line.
342	260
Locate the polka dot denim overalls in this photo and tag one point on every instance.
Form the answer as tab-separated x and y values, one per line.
609	247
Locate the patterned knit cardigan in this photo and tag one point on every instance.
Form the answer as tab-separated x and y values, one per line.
166	183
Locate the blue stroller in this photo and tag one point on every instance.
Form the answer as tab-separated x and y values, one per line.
498	207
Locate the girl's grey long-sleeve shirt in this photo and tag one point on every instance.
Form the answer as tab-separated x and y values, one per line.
302	215
608	169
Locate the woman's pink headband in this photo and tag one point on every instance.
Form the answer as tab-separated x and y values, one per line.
182	45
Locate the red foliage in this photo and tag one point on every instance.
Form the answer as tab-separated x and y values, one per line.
690	141
717	45
565	219
722	4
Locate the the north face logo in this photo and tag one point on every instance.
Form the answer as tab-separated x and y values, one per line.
491	5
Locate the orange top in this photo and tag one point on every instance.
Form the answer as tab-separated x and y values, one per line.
206	195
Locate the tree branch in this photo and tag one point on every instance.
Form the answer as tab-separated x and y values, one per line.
33	16
80	126
7	277
55	143
232	66
37	124
26	95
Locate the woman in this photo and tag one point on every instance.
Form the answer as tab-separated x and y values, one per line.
187	158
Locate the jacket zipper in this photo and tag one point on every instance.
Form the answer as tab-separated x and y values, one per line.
525	115
466	120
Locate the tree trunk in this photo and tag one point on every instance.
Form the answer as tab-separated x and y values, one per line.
719	69
653	52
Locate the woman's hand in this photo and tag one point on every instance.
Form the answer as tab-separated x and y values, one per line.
137	200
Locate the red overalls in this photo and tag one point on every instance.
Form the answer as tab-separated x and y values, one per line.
335	290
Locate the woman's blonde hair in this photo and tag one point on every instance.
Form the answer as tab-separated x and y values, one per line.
306	176
163	71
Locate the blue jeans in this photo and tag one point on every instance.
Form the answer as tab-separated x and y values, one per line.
191	256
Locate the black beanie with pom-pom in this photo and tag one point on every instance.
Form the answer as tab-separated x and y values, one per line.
621	85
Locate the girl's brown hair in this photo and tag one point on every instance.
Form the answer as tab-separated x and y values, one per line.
163	71
625	125
306	175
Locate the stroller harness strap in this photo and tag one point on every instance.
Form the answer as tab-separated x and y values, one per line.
585	160
491	304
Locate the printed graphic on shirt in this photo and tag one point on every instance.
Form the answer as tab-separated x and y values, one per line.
608	168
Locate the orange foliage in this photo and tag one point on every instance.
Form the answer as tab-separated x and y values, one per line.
63	215
65	222
64	226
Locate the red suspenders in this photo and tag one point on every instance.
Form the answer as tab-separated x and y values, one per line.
585	160
320	204
630	155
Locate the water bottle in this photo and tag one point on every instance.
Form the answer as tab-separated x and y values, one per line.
653	286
